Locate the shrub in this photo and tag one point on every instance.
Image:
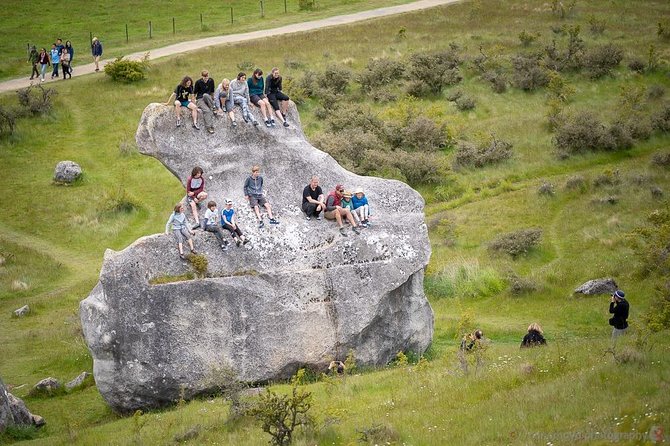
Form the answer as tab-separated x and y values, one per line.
596	26
423	134
528	74
306	5
497	79
563	10
470	155
334	79
655	91
658	316
558	88
419	167
661	120
350	146
464	279
576	183
453	95
308	83
379	73
661	159
7	121
652	243
571	57
517	242
584	132
118	200
417	89
378	434
246	66
280	415
465	103
546	188
608	178
520	285
636	65
36	99
200	264
435	70
656	192
601	60
294	90
354	116
527	38
663	30
125	70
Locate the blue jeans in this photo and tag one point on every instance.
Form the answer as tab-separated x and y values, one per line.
43	69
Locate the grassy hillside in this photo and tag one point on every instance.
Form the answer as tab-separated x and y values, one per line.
592	207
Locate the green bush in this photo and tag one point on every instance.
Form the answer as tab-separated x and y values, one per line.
434	70
471	155
419	167
597	27
527	38
655	91
520	285
497	79
334	79
576	183
661	159
379	73
7	121
125	70
466	279
118	200
584	132
465	103
200	265
601	60
516	243
424	134
661	120
306	5
658	316
529	75
636	65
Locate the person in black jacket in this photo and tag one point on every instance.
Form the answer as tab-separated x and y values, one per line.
204	93
273	86
534	337
619	308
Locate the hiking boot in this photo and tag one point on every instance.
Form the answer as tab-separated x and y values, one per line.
195	126
272	122
308	218
224	247
285	124
343	232
356	230
261	224
245	118
319	217
182	256
267	123
274	221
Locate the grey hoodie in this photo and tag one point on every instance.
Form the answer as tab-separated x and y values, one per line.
239	88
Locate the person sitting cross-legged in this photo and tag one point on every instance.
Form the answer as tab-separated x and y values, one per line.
312	199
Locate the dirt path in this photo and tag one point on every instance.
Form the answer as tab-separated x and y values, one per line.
192	45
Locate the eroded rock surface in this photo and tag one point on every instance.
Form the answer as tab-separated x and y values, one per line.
303	296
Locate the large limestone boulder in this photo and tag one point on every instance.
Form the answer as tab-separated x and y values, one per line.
13	411
303	296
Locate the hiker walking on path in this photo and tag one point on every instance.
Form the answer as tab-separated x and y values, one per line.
55	60
33	59
96	51
43	60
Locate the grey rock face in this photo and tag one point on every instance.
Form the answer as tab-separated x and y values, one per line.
598	286
303	296
78	381
22	311
47	385
67	172
13	411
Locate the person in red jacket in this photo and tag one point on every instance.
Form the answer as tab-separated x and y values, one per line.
335	211
195	192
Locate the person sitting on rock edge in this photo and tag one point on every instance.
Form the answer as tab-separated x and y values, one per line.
253	192
223	101
204	91
534	337
184	93
347	204
212	224
258	98
240	91
361	206
229	222
312	199
180	229
334	210
195	192
273	91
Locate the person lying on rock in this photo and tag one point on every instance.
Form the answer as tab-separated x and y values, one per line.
212	224
361	206
312	199
253	192
180	229
195	193
335	211
229	222
534	337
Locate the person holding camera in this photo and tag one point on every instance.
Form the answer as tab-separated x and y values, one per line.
619	308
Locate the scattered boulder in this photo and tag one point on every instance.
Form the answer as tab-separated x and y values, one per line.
24	310
305	295
66	172
597	286
46	386
78	381
13	411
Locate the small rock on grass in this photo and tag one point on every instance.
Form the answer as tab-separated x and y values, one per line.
24	310
598	286
78	381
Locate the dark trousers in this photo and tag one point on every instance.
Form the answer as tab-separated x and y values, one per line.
310	209
218	232
54	73
36	72
234	232
66	70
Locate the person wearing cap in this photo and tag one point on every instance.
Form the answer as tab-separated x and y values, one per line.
361	206
312	199
253	192
335	211
229	222
96	51
347	204
619	308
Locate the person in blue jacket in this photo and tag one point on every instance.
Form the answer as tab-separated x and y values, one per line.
361	206
96	51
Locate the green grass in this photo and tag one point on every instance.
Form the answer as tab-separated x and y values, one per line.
57	237
81	19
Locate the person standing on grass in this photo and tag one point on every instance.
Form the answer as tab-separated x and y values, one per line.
335	211
55	60
33	59
65	62
312	199
212	224
253	192
204	91
180	229
184	92
534	337
273	92
96	51
70	50
229	222
240	92
223	101
619	308
195	193
258	98
43	60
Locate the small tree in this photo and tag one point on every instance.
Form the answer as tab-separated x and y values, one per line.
280	415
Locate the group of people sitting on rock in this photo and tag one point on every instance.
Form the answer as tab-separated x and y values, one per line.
339	205
212	100
533	338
